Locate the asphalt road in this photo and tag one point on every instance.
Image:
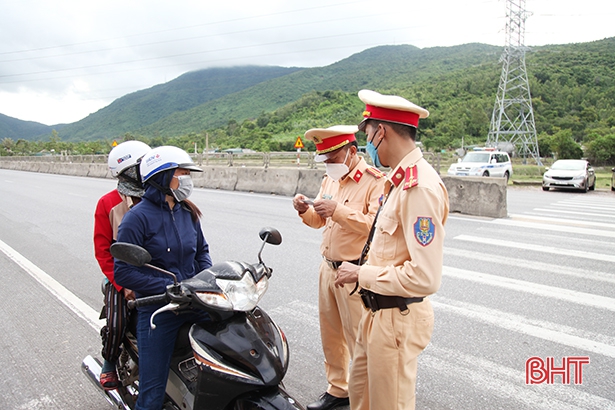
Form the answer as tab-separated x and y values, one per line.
540	283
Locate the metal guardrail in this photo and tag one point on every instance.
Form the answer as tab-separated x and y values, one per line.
252	159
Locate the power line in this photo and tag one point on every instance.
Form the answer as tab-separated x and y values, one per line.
183	28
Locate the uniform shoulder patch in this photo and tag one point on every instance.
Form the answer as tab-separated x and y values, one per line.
375	172
424	230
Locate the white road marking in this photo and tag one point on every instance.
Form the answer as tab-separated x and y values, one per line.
508	382
584	214
564	335
537	248
65	296
559	221
572	296
557	228
533	265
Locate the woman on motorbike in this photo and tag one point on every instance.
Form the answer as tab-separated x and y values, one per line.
167	225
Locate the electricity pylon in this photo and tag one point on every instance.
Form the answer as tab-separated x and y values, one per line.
512	121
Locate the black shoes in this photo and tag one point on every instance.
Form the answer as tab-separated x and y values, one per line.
326	402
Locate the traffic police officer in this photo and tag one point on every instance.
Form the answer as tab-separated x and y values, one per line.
345	207
404	263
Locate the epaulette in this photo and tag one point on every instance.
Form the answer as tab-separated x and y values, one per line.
412	177
375	172
409	176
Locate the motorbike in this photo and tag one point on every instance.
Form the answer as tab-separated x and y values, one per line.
234	362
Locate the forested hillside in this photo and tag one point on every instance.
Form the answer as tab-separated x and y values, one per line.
573	90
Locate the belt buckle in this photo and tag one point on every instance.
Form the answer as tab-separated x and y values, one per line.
330	264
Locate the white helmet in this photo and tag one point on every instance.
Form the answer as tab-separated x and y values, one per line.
126	155
163	158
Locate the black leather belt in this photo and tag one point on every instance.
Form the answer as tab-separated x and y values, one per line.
376	302
336	264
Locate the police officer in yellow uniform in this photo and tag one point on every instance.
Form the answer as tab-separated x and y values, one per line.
345	207
404	263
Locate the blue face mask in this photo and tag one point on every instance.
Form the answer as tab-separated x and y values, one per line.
372	150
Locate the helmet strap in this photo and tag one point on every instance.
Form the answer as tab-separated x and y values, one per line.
166	191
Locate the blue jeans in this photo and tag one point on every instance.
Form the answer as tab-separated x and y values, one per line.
155	351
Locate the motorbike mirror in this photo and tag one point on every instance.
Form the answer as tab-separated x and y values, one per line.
130	253
271	235
136	256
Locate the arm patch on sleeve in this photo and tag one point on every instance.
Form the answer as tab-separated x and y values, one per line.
424	230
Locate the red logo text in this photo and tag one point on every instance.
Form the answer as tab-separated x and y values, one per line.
538	371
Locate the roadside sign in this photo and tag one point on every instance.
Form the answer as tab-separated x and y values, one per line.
299	143
114	143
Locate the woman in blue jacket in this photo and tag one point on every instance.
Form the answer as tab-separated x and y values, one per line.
168	225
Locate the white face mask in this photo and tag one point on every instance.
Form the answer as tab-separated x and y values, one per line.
184	189
337	171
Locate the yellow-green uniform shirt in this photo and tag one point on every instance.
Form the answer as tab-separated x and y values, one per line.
357	196
406	258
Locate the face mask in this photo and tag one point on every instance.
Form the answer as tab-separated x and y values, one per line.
184	189
373	152
337	171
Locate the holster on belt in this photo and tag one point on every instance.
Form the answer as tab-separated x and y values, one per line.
375	301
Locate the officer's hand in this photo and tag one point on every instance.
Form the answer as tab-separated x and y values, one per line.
299	204
347	273
325	207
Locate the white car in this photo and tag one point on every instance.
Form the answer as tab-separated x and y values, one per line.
570	174
483	163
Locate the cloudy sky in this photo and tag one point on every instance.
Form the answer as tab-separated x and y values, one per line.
62	60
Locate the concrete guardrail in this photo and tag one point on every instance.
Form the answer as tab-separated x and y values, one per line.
468	195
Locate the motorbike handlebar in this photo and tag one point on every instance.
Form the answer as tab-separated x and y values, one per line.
147	301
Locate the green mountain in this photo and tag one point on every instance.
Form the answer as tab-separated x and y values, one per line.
139	109
572	86
382	68
15	129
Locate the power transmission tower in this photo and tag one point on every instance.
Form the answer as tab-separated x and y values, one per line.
512	121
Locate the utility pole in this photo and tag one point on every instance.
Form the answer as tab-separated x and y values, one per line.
512	121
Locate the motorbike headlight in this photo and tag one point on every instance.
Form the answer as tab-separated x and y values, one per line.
242	295
216	300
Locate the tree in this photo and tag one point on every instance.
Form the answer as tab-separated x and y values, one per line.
564	146
7	145
601	150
